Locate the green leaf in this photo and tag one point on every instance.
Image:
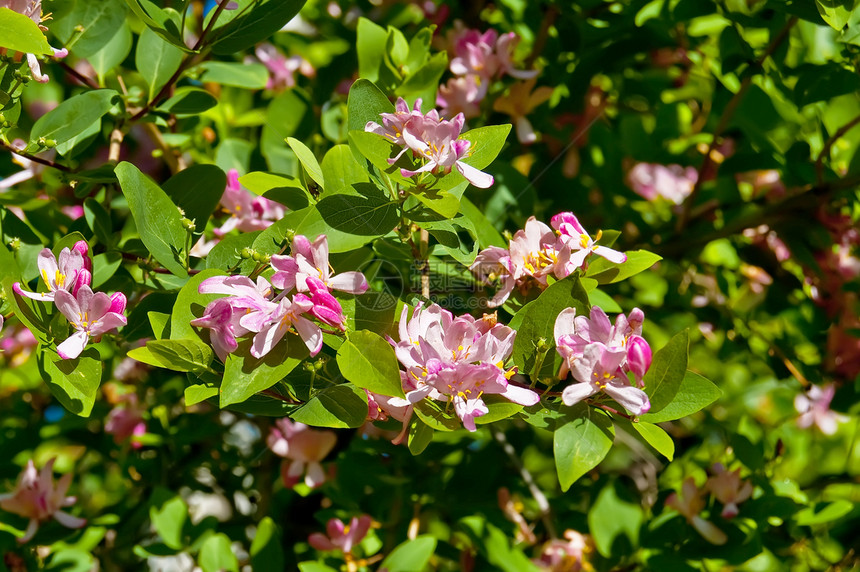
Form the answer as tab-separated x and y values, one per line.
266	550
105	266
178	355
368	361
80	141
281	188
189	101
226	254
835	12
606	272
217	556
536	320
20	33
610	517
340	406
168	515
245	375
74	382
244	75
340	170
157	219
312	566
694	394
156	60
197	191
199	392
581	440
363	211
284	116
370	45
90	25
243	32
420	435
114	52
410	556
366	101
667	370
484	229
163	21
451	234
656	437
74	116
308	161
823	512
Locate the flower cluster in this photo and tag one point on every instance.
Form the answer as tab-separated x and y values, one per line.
536	252
431	139
478	59
37	497
33	10
456	360
247	211
68	280
600	355
302	449
254	307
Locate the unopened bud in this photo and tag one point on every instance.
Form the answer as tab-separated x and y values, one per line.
84	248
85	277
259	257
15	244
638	356
636	318
543	345
290	234
247	253
50	143
117	302
188	224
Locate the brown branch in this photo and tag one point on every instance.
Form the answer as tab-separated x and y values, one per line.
728	113
174	162
116	137
274	394
825	152
87	81
35	159
221	6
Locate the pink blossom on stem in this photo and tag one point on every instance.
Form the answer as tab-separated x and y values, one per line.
222	319
310	259
814	409
340	536
37	497
282	69
247	212
288	315
17	344
302	448
58	275
673	183
125	421
90	314
728	488
579	243
459	95
566	555
690	503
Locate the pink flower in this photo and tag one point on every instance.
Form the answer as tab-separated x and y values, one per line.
671	182
90	313
125	421
393	124
690	503
729	489
486	55
599	355
580	245
310	259
459	95
303	448
288	315
814	409
565	555
17	345
64	274
247	212
222	319
37	498
342	537
282	69
457	360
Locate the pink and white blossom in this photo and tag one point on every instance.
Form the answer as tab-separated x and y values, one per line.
814	409
91	314
565	555
303	449
125	421
248	212
63	273
342	536
282	69
579	243
311	259
673	183
37	498
728	488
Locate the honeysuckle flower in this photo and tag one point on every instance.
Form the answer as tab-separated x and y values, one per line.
459	95
380	408
486	55
303	448
579	243
33	10
61	273
310	259
814	409
222	319
521	100
91	315
125	421
728	488
17	344
282	69
37	497
394	123
457	360
599	369
342	537
492	265
690	503
287	316
568	555
638	357
203	247
671	182
326	308
247	211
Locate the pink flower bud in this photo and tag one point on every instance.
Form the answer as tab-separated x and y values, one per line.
635	319
85	278
82	247
638	356
117	302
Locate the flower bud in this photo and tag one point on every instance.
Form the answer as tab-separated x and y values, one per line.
638	356
82	247
117	302
635	319
84	277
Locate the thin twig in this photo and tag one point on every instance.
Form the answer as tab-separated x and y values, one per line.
221	6
87	81
116	137
825	152
174	162
35	159
274	394
728	113
537	494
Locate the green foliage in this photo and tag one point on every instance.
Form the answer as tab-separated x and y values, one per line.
20	33
368	362
582	438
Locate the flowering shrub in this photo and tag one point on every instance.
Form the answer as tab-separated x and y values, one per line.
281	290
